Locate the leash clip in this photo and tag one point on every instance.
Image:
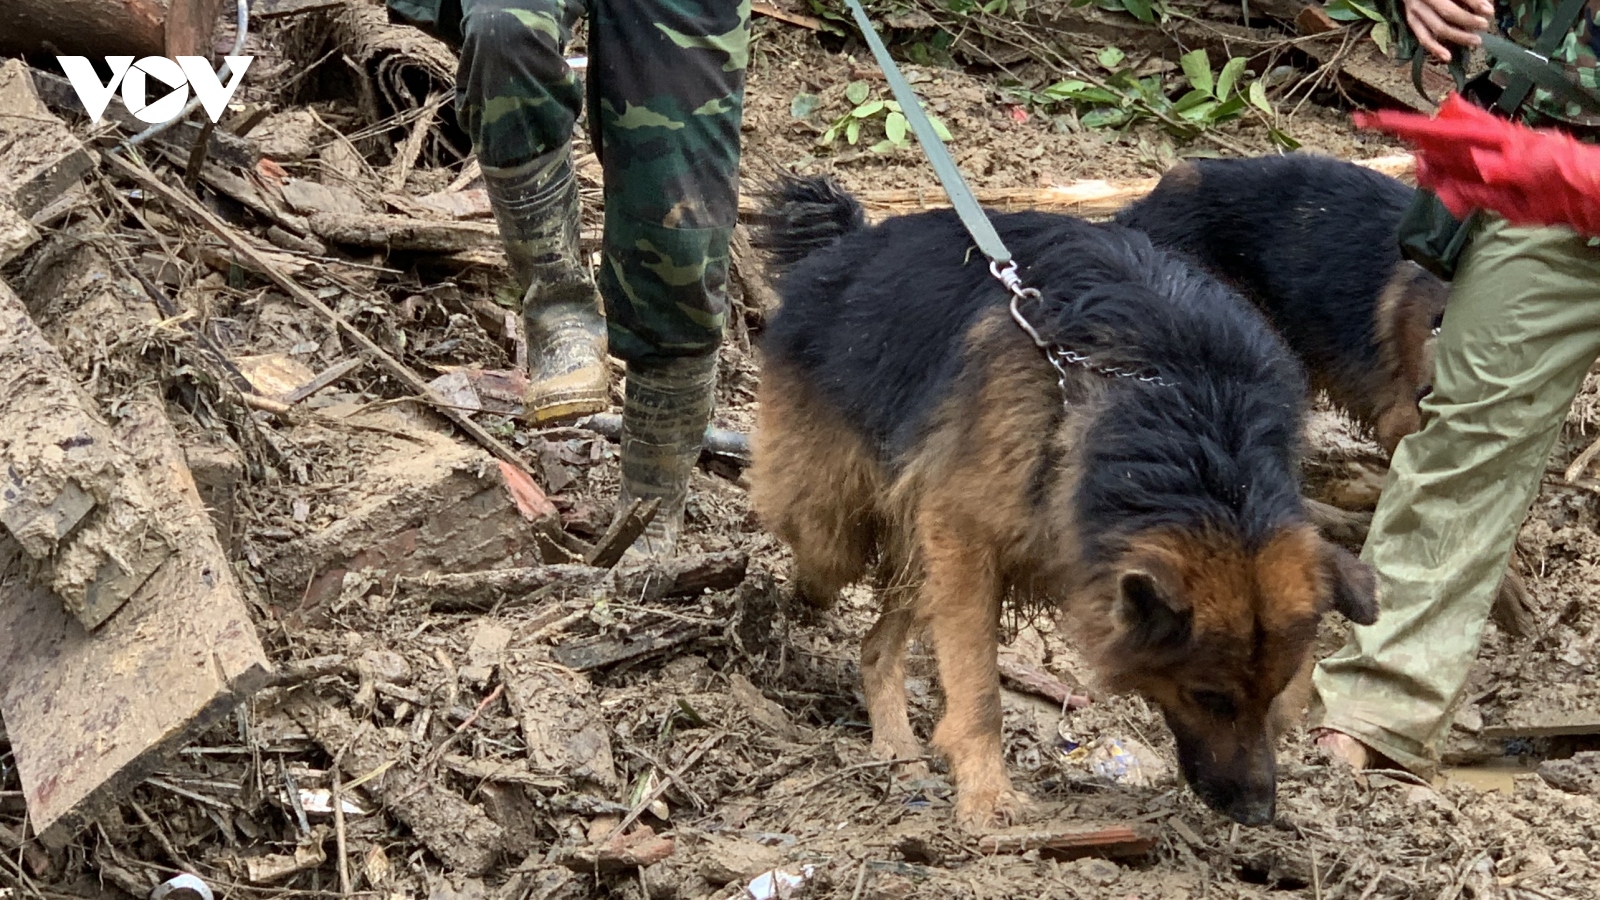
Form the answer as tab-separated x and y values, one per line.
1008	276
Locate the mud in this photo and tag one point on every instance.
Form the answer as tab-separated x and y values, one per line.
488	748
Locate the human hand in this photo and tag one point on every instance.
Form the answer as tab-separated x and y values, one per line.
1437	23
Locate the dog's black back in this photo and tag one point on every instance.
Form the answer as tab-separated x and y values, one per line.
875	323
1312	240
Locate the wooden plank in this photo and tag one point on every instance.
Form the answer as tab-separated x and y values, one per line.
1074	841
90	716
405	233
40	160
70	497
190	25
91	27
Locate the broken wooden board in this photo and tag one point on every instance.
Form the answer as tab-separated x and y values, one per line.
625	852
92	27
677	576
390	232
70	497
561	722
17	233
420	502
40	160
91	716
457	832
1074	841
1549	710
608	650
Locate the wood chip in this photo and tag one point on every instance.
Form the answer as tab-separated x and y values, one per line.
640	847
1074	841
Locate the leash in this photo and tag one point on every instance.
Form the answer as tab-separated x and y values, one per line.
1001	265
1532	67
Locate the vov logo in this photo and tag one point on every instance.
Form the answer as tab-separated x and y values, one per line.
133	77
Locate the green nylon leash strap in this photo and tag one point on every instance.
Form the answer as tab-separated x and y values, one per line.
1001	265
961	198
1531	68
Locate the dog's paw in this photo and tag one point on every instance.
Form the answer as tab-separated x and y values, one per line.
980	811
907	748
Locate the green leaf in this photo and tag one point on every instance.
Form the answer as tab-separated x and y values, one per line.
829	136
1228	108
1383	37
1201	112
1198	69
894	126
1229	77
1111	57
1141	10
892	105
1106	117
852	132
1190	101
995	7
1352	11
1062	90
883	146
803	105
938	128
1283	140
1258	97
869	108
856	92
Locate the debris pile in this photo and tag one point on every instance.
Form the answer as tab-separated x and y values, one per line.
297	607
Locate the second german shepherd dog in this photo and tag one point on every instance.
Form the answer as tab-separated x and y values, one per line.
906	420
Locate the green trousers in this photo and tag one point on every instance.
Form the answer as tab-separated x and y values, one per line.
1521	330
665	98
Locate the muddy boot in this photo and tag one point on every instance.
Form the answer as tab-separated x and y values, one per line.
536	206
664	416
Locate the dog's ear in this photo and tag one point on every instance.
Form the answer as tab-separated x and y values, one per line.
1149	613
1352	586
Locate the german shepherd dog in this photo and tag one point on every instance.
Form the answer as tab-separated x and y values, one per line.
1313	241
906	420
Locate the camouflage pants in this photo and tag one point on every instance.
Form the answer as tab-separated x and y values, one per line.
1521	331
665	96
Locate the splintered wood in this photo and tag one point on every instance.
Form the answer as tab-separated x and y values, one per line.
1074	841
90	716
40	160
70	498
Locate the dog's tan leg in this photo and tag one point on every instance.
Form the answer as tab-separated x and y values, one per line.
883	680
961	603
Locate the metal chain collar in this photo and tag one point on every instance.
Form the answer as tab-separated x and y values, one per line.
1058	355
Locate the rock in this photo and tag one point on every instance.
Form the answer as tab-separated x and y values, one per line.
728	860
1578	775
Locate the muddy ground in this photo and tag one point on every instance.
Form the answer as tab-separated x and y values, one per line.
743	738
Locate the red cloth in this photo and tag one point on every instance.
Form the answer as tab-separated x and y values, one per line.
1475	160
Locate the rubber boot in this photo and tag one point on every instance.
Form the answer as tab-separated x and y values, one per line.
536	206
666	407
